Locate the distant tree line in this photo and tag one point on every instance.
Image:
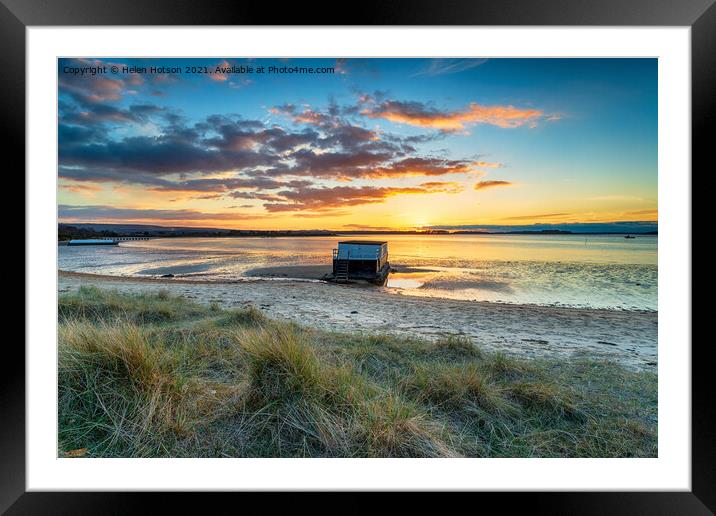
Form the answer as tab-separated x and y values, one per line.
69	232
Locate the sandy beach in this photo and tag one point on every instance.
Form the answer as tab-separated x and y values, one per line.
628	337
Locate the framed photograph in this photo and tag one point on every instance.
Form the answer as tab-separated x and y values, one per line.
433	250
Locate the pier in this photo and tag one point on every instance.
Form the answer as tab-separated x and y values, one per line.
102	241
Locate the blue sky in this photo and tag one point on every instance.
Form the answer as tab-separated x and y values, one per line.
377	143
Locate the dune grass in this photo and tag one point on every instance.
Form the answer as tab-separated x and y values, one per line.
154	375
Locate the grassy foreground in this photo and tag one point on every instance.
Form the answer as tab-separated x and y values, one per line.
160	376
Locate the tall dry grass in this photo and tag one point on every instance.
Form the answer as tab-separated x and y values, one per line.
159	376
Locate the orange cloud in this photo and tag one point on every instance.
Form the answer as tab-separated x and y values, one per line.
487	164
442	187
321	199
307	116
418	114
81	188
421	167
491	184
653	213
539	216
220	77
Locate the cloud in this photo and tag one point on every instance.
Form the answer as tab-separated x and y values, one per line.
93	116
576	227
355	66
650	213
331	147
225	156
538	216
618	198
94	99
73	134
218	76
320	199
366	227
70	213
341	66
322	214
221	143
107	175
491	184
164	154
255	195
227	184
449	66
488	164
88	88
450	187
421	115
81	188
421	167
303	116
367	164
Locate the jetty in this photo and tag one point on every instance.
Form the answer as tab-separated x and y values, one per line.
102	241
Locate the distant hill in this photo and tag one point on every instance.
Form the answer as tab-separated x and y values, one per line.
132	229
79	231
581	228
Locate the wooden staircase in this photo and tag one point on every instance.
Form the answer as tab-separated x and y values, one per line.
342	271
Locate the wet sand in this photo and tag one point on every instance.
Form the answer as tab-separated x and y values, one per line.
627	337
316	272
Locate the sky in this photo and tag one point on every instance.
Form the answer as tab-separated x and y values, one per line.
357	143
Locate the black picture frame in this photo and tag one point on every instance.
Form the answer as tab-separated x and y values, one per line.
700	15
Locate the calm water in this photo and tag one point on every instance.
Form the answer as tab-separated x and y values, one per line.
596	271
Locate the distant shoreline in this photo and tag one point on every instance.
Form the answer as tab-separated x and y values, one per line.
65	235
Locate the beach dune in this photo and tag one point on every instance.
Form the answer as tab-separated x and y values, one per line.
627	337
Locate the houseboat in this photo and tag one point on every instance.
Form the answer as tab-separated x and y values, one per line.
361	260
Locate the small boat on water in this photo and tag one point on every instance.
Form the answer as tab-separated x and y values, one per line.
629	236
93	241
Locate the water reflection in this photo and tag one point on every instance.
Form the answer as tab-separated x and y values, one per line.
597	271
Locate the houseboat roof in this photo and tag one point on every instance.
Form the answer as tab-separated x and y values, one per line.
363	242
